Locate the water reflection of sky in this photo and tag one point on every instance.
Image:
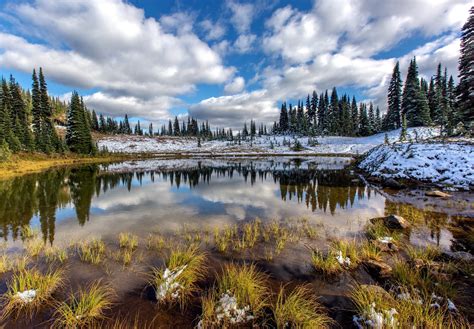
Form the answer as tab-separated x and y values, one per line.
159	205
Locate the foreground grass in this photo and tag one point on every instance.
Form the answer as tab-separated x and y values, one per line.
85	308
28	291
178	281
300	309
239	297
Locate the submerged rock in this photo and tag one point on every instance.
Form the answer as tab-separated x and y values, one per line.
377	269
438	194
459	255
393	222
392	183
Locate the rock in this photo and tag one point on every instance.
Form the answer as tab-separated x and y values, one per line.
392	183
377	269
393	222
459	255
438	194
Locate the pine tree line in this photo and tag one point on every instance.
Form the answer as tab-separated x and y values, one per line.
28	118
328	115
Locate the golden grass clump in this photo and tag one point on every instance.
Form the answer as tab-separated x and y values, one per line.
29	290
34	247
84	309
5	264
92	252
299	309
325	264
239	297
128	241
178	281
55	254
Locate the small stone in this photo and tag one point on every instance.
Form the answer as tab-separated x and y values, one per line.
392	183
377	269
460	255
438	194
393	222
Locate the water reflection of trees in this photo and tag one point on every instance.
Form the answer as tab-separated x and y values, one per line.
41	195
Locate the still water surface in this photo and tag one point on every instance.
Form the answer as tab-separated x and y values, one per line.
68	204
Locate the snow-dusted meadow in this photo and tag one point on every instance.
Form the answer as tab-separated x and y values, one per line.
260	145
450	164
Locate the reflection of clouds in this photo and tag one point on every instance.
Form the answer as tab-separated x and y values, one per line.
158	206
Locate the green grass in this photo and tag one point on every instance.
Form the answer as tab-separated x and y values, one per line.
300	309
156	242
128	241
348	249
178	281
427	254
92	252
325	264
5	264
244	283
34	247
410	312
84	309
368	250
44	286
378	230
54	254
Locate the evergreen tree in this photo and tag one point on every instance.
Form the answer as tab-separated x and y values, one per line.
36	111
78	135
176	131
283	118
465	90
414	102
50	139
371	126
394	100
150	129
95	121
364	129
354	117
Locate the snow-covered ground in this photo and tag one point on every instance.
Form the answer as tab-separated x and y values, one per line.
264	144
449	164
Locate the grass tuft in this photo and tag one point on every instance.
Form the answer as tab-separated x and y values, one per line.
84	309
178	281
128	241
28	291
92	252
299	309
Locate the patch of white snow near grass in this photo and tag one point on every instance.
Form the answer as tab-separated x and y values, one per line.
262	144
26	296
170	287
449	164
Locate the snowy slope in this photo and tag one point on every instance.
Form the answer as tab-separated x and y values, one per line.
450	164
325	145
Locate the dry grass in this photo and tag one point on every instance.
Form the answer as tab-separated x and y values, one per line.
300	309
34	247
178	281
249	288
128	241
84	309
92	252
43	285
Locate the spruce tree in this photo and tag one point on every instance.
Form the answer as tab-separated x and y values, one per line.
364	129
50	139
465	90
354	117
415	103
394	99
36	111
78	135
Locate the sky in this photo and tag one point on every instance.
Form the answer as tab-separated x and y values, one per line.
223	61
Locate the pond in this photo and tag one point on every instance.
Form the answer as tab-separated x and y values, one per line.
70	204
167	204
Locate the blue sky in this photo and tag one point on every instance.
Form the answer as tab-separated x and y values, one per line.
223	61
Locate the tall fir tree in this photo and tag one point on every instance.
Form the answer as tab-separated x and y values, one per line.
465	90
78	134
394	99
414	101
36	111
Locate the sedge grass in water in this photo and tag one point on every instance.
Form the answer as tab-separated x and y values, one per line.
85	308
178	281
239	297
92	252
299	309
28	291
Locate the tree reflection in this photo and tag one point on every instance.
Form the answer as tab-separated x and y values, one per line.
41	195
